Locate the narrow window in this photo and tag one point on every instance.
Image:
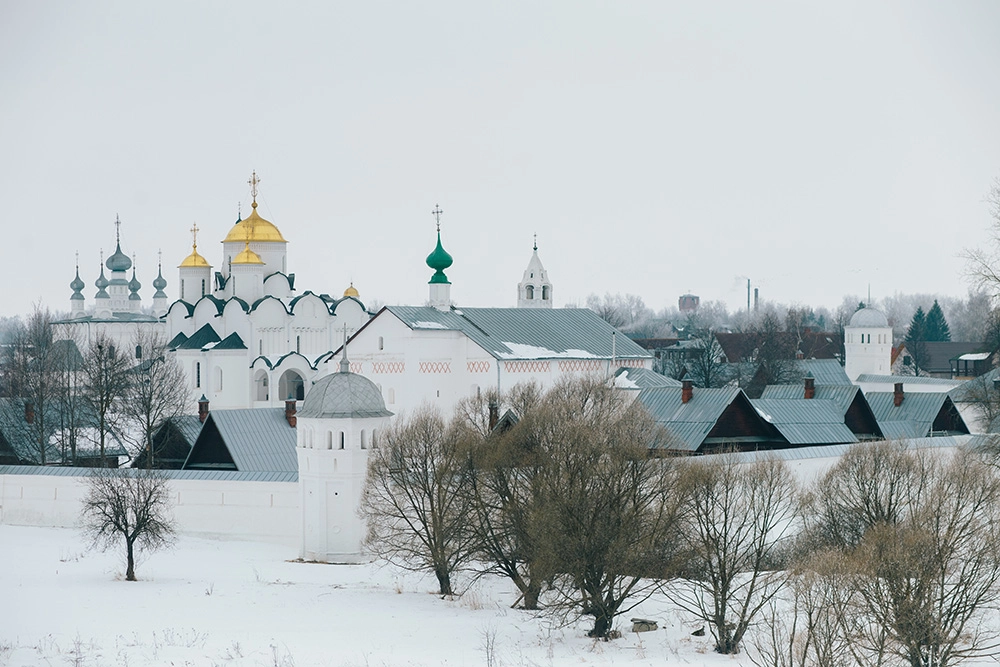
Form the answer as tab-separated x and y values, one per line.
182	289
329	439
374	438
392	396
364	440
341	440
260	346
545	292
298	344
380	343
203	287
197	374
529	292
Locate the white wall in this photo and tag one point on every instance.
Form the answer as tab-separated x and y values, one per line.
258	511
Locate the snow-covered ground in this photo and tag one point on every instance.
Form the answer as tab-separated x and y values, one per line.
209	602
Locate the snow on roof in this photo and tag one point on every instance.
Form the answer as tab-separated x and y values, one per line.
975	356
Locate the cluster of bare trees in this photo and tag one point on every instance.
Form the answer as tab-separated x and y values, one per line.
892	557
80	395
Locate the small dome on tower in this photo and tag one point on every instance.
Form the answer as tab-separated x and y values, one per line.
194	259
351	291
344	395
439	260
247	256
101	281
868	317
77	285
159	282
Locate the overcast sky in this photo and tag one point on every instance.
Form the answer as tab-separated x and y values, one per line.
656	148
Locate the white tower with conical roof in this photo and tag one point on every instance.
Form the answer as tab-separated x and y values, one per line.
867	344
534	290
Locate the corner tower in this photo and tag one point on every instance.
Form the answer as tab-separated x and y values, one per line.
534	290
867	344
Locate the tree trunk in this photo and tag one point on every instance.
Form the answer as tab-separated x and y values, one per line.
130	561
444	581
531	594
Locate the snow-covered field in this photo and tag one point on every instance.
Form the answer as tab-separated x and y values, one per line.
208	602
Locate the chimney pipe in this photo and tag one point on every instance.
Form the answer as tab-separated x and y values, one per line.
897	394
810	387
687	390
494	414
202	408
29	412
290	412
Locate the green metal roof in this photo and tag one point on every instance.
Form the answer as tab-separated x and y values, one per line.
527	333
200	339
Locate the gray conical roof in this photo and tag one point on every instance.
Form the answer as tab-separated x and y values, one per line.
344	396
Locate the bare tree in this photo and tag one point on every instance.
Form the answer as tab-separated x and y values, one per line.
104	383
922	539
72	413
609	520
155	393
737	526
706	367
129	508
31	376
983	261
417	499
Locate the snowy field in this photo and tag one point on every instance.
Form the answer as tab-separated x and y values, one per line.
236	604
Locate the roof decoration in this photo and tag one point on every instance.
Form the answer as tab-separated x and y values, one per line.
77	285
134	286
351	291
119	261
254	229
439	259
159	282
194	259
101	283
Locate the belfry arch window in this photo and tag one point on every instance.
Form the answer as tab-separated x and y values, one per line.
545	292
290	385
529	292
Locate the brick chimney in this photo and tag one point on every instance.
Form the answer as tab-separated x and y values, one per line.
810	387
29	412
687	390
494	414
290	412
202	408
897	394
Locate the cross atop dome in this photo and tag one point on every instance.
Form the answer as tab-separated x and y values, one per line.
253	187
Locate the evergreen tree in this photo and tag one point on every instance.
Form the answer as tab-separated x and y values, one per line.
916	343
918	326
935	326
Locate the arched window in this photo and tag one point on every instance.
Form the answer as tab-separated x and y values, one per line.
329	439
374	438
298	344
290	385
260	385
364	439
545	292
529	292
381	343
341	440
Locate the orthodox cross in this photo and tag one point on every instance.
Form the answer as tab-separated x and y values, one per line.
159	257
118	228
194	235
437	215
253	185
77	260
536	241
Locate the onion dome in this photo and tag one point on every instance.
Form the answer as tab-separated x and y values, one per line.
247	256
194	259
77	286
439	260
869	317
134	286
119	261
350	291
254	229
159	283
101	283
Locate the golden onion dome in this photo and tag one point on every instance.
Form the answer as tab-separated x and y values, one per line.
350	291
194	260
247	256
254	229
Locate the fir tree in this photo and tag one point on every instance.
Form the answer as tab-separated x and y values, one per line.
916	344
935	326
918	327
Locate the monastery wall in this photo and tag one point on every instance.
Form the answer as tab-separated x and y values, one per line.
254	511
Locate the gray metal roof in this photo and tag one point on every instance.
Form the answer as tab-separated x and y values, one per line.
824	371
970	390
642	378
689	423
913	418
219	475
842	395
835	451
804	422
258	439
872	378
344	396
528	333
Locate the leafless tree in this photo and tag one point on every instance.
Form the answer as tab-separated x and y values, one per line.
983	261
72	415
129	508
155	393
31	377
738	523
610	511
105	380
417	499
922	539
706	367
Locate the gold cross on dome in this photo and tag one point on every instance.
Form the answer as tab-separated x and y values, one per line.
194	235
253	185
437	215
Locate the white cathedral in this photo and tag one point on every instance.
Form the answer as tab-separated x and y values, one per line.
246	337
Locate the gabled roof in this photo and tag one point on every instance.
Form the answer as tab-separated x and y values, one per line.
642	378
690	423
805	422
874	378
940	353
200	339
810	344
918	416
253	440
976	388
841	395
230	342
527	333
825	371
177	340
